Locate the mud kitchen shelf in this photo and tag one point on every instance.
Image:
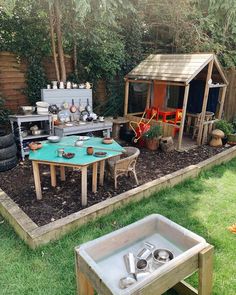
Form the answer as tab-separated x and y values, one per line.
16	125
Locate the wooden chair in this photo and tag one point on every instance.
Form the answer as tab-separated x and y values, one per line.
177	120
207	128
124	166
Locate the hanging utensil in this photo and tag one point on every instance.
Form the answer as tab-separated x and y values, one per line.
73	108
81	108
88	106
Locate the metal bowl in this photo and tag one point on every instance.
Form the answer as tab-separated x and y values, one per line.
161	256
53	138
38	132
27	110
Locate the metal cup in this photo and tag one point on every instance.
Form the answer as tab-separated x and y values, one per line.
142	265
162	256
60	152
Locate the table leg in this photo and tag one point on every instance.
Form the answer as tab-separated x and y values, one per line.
102	169
84	286
95	175
53	175
62	173
205	271
84	186
37	180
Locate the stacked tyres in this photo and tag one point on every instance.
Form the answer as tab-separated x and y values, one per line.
8	151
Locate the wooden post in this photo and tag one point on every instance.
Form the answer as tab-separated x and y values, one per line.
83	285
181	129
62	173
101	175
84	186
126	97
205	271
37	180
95	174
148	96
53	175
222	100
204	102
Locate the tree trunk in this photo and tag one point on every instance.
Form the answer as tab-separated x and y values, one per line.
54	53
75	59
59	41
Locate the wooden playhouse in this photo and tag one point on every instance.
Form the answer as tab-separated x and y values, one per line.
192	83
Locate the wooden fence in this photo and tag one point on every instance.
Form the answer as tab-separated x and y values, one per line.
13	84
230	100
12	78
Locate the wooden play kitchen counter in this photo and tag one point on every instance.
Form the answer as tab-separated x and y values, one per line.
48	155
100	263
83	127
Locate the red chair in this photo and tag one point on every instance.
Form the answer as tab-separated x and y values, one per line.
177	120
152	113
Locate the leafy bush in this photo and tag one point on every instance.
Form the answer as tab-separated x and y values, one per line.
224	126
153	132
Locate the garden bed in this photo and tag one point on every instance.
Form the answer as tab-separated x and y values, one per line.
64	200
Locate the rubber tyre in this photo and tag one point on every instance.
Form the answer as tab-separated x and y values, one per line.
8	152
6	140
8	164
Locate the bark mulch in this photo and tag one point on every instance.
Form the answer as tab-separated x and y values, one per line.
64	199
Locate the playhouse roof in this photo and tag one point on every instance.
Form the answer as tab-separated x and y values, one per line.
174	67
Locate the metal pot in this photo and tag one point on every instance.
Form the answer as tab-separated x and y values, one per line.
38	132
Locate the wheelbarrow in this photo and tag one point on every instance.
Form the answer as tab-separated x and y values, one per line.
141	127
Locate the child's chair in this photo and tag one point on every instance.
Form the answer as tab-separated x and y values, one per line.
177	120
152	113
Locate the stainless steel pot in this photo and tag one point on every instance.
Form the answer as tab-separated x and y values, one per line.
38	132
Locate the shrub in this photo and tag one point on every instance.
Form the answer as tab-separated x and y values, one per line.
153	132
224	126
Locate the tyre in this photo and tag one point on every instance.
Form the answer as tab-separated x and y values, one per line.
8	164
8	152
6	140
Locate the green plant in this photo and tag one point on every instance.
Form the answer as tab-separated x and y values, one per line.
224	126
153	132
234	124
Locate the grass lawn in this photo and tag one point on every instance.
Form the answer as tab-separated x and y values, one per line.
206	205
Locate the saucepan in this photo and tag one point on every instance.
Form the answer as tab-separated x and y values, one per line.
38	132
